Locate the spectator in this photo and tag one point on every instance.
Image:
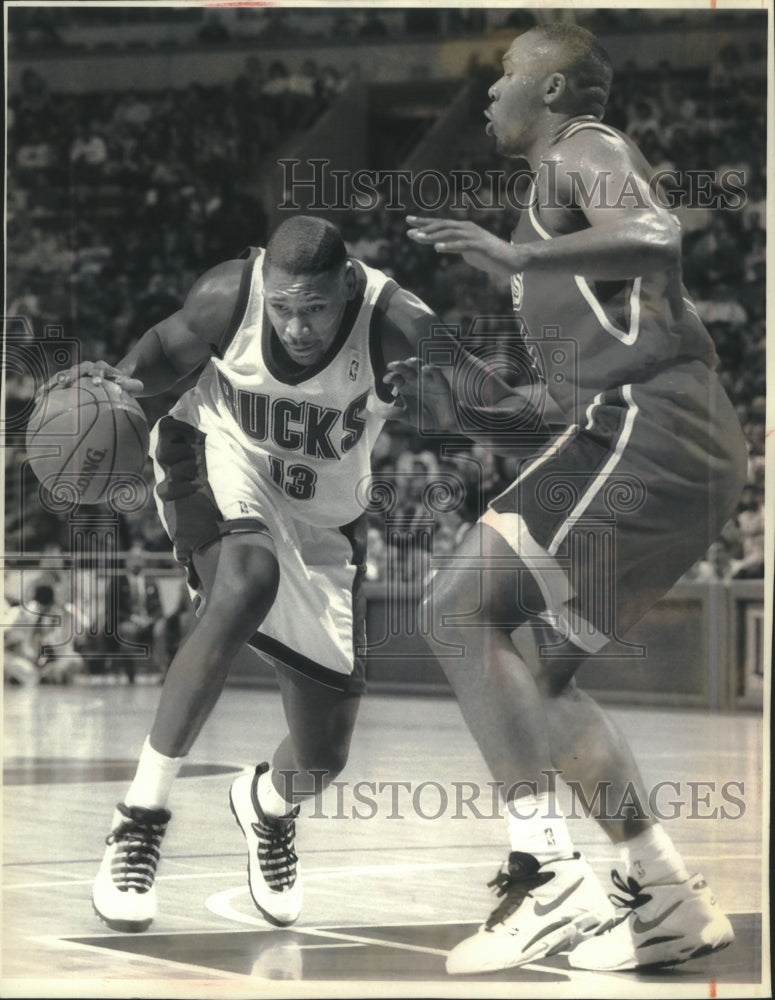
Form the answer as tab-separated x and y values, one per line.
373	26
88	154
134	603
344	25
750	525
40	643
133	112
370	245
213	30
716	566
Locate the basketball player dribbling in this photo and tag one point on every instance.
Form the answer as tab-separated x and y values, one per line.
257	469
595	259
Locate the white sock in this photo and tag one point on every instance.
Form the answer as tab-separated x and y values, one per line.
153	778
271	801
651	859
536	826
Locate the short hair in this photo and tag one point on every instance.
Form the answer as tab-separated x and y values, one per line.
583	60
305	244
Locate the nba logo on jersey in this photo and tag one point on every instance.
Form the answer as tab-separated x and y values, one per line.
517	290
352	374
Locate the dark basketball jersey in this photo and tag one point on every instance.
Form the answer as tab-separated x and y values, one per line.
589	336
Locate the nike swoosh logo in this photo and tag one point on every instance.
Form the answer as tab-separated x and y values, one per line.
541	909
641	926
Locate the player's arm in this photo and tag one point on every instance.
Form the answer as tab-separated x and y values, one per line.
177	345
628	232
424	393
173	348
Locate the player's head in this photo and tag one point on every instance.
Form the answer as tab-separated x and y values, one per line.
44	594
308	281
556	69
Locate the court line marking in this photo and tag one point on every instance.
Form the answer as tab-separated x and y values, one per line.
314	876
220	904
329	873
343	941
133	957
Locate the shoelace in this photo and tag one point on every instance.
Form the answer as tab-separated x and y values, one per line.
635	896
515	886
276	853
138	840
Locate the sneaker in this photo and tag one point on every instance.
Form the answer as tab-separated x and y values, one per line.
658	926
546	907
272	861
124	896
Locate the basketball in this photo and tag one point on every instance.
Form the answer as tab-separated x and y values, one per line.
84	440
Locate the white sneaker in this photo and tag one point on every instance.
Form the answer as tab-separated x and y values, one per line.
657	925
546	908
124	895
272	862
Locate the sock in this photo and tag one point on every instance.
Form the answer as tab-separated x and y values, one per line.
651	859
271	801
153	778
536	826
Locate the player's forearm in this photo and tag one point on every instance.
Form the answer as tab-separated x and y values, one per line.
606	253
149	362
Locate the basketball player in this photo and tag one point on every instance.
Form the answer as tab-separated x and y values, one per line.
257	469
649	438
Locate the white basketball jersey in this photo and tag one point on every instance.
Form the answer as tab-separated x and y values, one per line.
309	434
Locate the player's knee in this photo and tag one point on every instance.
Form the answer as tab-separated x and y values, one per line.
557	661
556	677
447	596
246	580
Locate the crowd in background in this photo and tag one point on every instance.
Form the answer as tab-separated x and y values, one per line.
57	26
117	201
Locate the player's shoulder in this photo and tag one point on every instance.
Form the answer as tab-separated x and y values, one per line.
212	298
221	281
590	142
404	308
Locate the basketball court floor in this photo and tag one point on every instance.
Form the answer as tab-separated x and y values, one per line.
396	858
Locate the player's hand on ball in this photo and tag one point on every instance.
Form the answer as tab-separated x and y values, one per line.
97	371
423	395
478	247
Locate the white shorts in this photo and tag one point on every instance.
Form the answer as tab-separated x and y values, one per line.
205	489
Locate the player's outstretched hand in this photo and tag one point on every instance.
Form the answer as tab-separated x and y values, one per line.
97	371
478	247
423	395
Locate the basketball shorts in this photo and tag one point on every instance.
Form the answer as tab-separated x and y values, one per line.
614	510
207	488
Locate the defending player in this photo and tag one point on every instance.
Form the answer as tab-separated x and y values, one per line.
257	468
650	440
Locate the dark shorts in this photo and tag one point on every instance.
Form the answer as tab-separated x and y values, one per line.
611	513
